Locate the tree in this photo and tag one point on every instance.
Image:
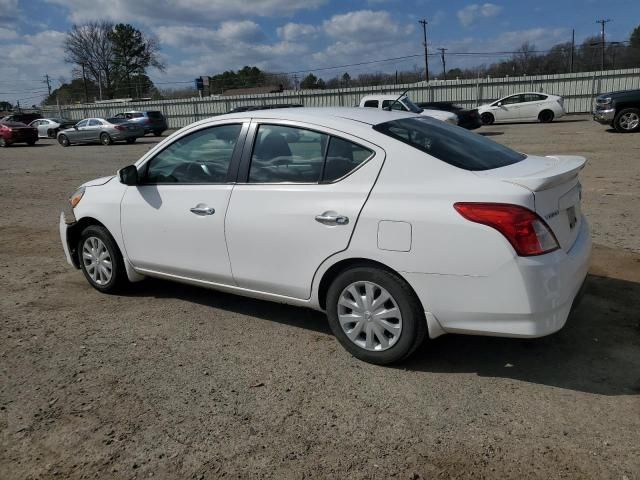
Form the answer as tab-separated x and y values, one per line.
634	38
133	54
309	82
72	92
89	46
5	107
346	78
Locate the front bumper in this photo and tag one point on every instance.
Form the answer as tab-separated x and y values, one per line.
605	116
528	297
65	223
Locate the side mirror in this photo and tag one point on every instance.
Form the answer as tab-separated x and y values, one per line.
129	175
75	127
499	104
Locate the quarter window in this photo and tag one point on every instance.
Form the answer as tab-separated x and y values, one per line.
371	103
342	158
201	157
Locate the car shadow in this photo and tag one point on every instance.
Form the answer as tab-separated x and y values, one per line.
24	145
536	122
490	134
598	351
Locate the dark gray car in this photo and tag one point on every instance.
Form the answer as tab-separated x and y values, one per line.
105	131
153	121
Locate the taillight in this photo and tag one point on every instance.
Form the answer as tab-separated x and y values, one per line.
526	231
119	127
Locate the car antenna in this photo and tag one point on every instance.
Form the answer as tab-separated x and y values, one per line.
396	100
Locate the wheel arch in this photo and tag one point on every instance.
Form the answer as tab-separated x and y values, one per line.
340	266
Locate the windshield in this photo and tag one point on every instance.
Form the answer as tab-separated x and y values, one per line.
451	144
411	106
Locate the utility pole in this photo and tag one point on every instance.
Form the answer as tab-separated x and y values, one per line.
47	80
444	67
424	22
84	81
573	47
602	23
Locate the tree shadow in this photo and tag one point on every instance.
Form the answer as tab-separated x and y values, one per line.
598	351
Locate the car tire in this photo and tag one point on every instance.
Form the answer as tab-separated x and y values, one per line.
403	310
105	139
157	133
31	143
545	116
3	143
100	260
131	140
627	120
487	118
64	140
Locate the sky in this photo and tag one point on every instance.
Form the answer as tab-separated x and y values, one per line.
205	37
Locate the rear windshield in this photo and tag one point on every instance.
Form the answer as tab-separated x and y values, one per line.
453	145
154	114
116	120
10	123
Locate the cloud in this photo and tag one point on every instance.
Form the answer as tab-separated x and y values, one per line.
8	10
366	26
471	13
193	12
7	34
297	31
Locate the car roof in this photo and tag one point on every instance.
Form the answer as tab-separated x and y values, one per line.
324	115
382	97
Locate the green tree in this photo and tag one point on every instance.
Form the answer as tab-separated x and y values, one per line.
309	82
133	54
346	78
634	39
5	106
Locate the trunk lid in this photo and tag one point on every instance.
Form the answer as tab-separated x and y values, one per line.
556	189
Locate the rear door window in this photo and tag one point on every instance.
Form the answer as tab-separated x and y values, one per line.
455	146
155	115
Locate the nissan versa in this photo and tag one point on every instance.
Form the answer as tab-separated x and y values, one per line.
396	225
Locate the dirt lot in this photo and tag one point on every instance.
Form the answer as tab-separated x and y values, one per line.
173	381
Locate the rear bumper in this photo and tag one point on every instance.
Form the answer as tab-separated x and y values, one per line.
604	116
528	297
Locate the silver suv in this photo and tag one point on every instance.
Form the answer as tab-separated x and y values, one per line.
152	121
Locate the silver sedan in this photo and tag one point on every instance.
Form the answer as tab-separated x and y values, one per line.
104	131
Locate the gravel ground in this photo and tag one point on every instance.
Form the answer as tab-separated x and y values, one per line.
173	381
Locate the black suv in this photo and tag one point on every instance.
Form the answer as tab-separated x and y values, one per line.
25	118
152	121
621	110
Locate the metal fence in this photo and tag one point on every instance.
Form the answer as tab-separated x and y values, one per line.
578	89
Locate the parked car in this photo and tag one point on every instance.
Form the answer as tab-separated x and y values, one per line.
467	118
49	127
21	117
621	110
250	108
16	132
523	107
395	224
404	104
105	131
152	121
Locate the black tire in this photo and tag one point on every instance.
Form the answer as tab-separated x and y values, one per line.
545	116
487	118
626	119
157	133
64	140
131	140
31	143
105	139
3	143
118	280
414	324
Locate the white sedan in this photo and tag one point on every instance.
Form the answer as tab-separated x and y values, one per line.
396	225
523	107
49	127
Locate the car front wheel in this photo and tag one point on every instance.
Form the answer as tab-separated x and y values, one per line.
627	120
487	118
375	315
3	143
100	260
63	140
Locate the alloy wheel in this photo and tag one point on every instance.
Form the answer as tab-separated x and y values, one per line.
629	121
369	316
97	260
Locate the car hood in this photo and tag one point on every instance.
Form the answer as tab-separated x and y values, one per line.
98	181
621	94
439	114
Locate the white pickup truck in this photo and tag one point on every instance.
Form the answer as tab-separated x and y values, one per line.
403	103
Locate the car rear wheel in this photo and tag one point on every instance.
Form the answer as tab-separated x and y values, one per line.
375	315
131	140
627	120
64	140
545	116
100	260
31	143
157	133
487	118
105	139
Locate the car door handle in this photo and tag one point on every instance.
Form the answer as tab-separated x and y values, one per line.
202	210
332	218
